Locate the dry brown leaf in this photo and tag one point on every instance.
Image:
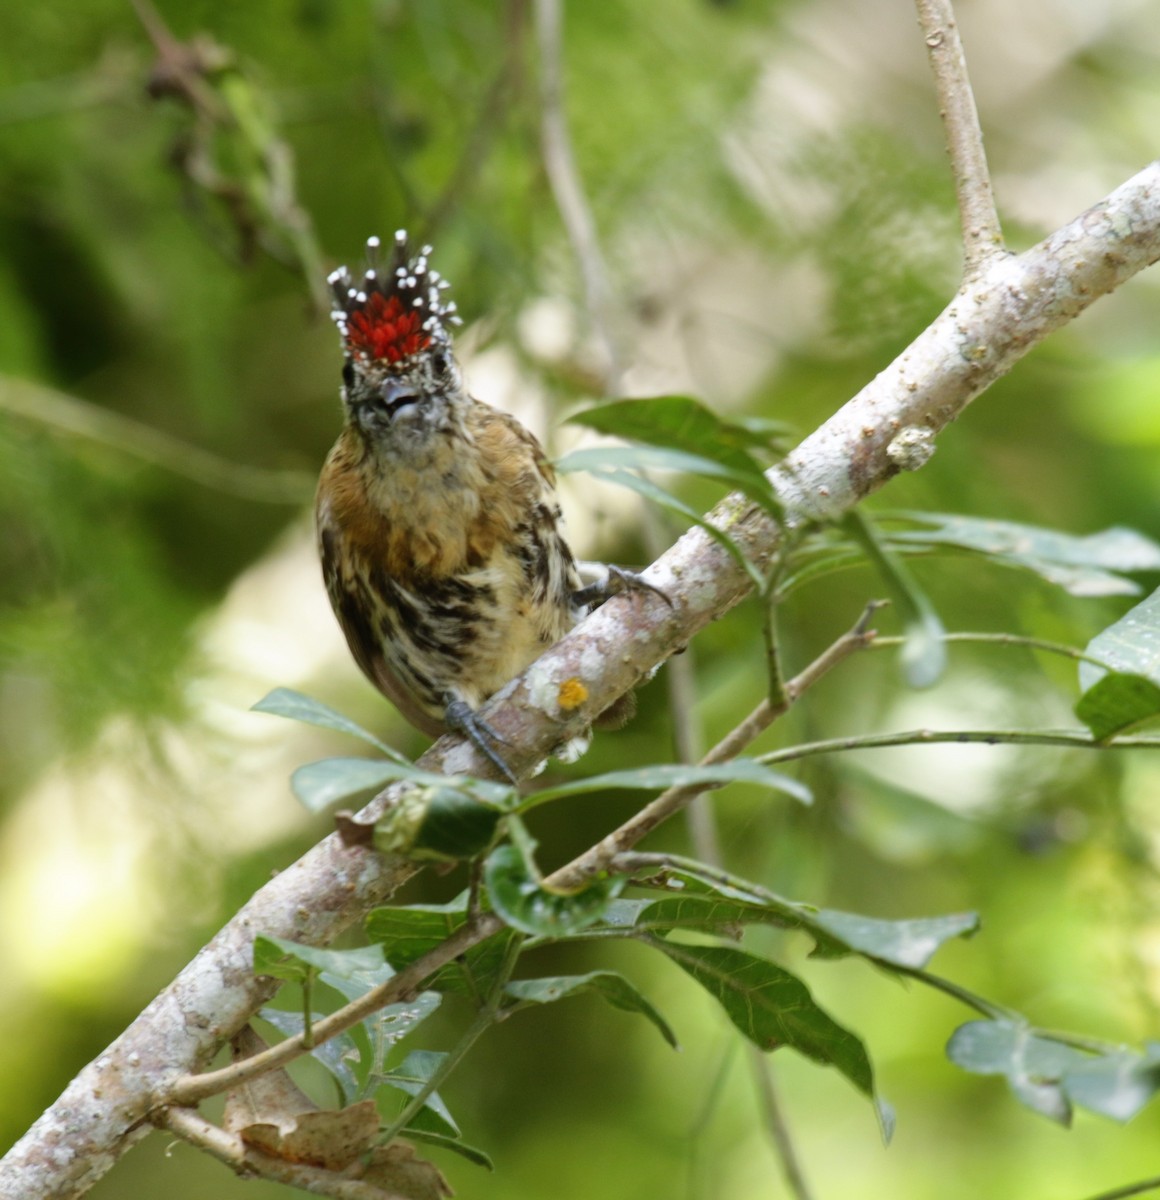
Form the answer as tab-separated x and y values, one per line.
272	1114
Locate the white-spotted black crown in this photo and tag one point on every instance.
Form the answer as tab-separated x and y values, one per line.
395	312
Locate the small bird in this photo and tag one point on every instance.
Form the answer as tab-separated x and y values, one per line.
438	524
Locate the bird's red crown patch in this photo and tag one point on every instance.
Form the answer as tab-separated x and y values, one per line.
393	314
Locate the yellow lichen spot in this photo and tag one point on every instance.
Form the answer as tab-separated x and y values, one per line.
572	694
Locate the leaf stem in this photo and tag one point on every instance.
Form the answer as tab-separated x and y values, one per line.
488	1015
1007	639
1079	738
775	1122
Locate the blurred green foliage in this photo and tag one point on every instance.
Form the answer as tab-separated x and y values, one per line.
770	187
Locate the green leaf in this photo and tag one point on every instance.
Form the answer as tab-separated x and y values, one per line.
1033	1066
284	702
906	943
1130	645
614	988
667	775
1129	691
352	973
924	650
679	422
356	978
644	486
751	480
411	1076
443	1142
773	1008
1083	566
281	958
1117	702
320	784
709	901
518	895
406	934
1050	1076
1115	1085
439	823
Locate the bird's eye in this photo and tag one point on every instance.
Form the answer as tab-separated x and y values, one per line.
348	373
440	362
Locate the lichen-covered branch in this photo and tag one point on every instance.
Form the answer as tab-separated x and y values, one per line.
1011	306
888	427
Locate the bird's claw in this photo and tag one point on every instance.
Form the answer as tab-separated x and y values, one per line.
461	718
617	581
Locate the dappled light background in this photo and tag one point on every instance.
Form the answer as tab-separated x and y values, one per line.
770	187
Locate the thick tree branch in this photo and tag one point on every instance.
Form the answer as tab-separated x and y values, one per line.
889	426
982	233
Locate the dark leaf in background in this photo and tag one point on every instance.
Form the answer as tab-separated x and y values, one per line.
773	1008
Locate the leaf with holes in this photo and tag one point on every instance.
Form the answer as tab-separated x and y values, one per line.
337	1054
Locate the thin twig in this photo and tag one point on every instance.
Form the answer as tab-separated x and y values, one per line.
1079	738
79	418
681	680
1131	1189
191	1089
983	637
192	1127
489	116
982	233
776	1124
564	178
484	1020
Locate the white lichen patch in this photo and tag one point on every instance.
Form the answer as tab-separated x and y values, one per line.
573	749
591	662
911	448
543	688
